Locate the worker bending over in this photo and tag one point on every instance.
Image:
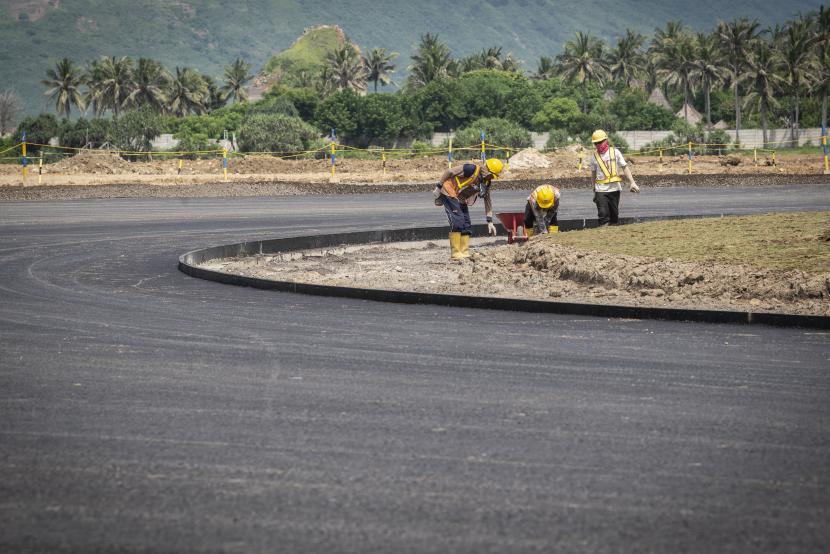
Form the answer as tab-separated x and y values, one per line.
459	189
540	210
605	178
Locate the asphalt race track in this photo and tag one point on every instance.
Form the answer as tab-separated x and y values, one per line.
142	410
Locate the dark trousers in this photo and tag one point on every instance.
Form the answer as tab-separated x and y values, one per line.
530	217
608	207
458	214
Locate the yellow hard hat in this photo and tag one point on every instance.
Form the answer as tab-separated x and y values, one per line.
545	197
599	136
495	166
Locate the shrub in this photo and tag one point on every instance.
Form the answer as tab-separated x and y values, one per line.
39	130
558	113
276	133
134	130
558	137
499	132
194	142
717	141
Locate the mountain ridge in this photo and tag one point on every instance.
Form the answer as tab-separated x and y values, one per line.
206	34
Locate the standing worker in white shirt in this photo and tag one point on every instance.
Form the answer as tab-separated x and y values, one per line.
605	178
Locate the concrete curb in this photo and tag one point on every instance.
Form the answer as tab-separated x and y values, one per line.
189	264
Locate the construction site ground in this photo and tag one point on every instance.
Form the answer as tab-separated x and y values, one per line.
726	263
257	174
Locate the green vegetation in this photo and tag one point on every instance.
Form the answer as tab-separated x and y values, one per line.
737	72
795	241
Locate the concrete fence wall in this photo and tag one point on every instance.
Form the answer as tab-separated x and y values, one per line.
750	138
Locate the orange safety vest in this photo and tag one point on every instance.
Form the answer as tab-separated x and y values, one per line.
611	175
458	187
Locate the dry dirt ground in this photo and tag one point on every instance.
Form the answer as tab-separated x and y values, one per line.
102	168
93	174
544	269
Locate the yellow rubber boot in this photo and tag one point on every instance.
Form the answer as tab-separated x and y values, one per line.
455	245
529	232
553	228
465	246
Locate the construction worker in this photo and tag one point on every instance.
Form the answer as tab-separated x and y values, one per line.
540	210
459	189
605	178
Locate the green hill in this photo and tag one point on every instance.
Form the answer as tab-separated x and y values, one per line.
207	34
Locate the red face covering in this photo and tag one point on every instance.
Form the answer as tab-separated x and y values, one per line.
602	147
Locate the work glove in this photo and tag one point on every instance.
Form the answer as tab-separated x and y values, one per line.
491	229
436	194
634	187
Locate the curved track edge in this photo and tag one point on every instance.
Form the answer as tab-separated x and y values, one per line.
189	263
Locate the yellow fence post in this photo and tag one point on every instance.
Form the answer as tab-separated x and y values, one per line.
40	169
690	157
25	161
773	159
225	162
824	145
581	157
449	155
179	170
755	155
383	158
332	159
483	155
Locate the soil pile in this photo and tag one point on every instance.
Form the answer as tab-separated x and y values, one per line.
92	161
529	158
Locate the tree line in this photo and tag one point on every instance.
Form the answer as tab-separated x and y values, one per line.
738	72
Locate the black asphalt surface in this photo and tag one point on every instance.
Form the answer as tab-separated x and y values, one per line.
142	410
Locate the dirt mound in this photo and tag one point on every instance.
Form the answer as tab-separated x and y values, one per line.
529	158
92	161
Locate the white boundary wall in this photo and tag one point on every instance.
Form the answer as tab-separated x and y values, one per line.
750	138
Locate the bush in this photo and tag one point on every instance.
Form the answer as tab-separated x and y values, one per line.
716	139
558	113
499	132
83	131
275	105
134	130
193	142
630	110
557	138
276	133
340	112
617	141
39	130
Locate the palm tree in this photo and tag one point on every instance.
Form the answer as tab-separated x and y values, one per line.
188	93
737	38
379	66
64	83
822	34
111	82
236	77
626	60
347	69
545	69
583	61
431	61
216	97
709	68
799	65
763	81
677	64
150	80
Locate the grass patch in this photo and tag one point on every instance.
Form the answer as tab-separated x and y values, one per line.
791	241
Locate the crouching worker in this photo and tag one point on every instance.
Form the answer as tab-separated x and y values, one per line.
459	189
540	210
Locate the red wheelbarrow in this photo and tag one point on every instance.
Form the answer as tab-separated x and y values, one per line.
512	222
